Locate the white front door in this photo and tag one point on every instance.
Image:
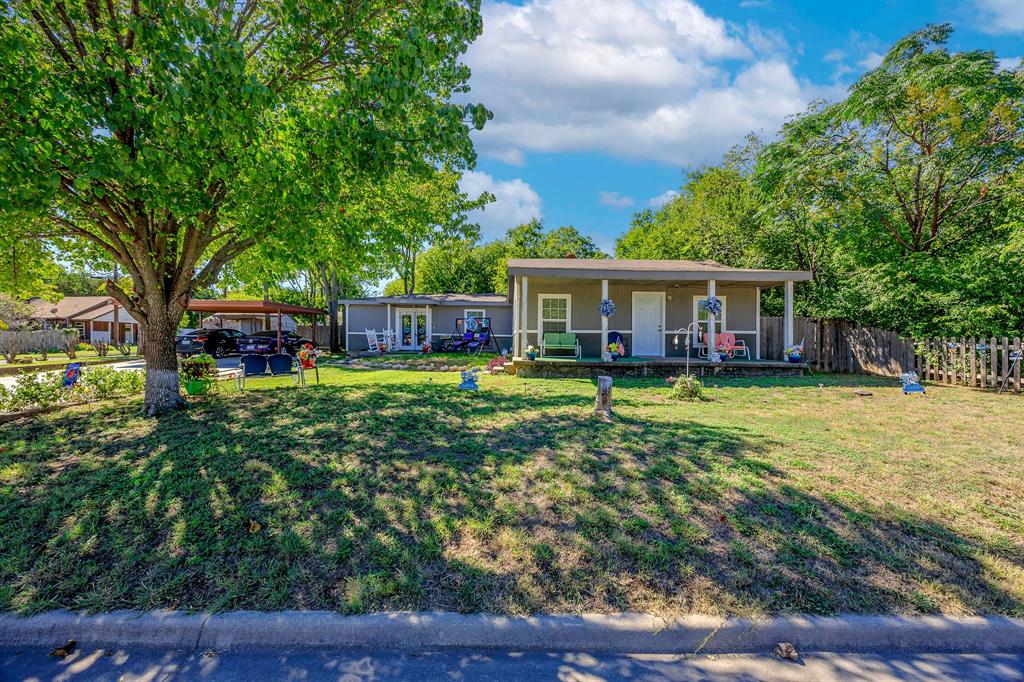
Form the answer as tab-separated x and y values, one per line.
648	318
413	327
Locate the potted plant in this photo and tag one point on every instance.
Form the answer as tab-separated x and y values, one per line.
308	355
197	373
614	351
426	348
531	353
794	353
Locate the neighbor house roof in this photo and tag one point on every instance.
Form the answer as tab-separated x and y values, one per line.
267	307
628	269
433	299
69	307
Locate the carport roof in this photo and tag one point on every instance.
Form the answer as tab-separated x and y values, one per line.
203	305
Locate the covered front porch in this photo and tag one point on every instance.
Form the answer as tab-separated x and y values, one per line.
661	315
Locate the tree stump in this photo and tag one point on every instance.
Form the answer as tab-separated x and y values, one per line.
603	404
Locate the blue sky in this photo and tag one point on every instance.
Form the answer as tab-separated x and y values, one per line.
599	107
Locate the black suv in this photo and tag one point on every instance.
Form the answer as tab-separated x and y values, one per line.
215	342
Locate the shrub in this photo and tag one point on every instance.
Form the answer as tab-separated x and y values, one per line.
124	349
71	342
37	390
687	388
200	366
106	382
496	365
101	348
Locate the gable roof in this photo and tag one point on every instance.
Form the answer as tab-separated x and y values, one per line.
68	307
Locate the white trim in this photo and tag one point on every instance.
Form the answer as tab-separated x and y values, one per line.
757	325
662	331
604	320
787	318
697	298
524	322
516	319
568	311
396	330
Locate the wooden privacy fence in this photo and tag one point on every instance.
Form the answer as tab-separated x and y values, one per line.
981	363
841	346
23	341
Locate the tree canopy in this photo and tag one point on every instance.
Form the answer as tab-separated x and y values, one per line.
177	134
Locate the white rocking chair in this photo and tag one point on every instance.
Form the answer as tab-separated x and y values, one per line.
371	341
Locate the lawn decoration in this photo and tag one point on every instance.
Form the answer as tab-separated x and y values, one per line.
715	356
1015	358
198	373
713	306
911	383
469	379
471	324
308	355
72	373
607	307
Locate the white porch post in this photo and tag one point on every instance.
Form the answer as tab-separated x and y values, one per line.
524	305
517	350
604	320
757	325
787	321
711	321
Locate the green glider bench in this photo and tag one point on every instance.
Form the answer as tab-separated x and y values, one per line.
560	341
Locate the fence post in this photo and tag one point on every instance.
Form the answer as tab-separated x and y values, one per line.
994	362
1016	368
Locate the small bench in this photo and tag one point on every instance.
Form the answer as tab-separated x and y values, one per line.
559	341
279	364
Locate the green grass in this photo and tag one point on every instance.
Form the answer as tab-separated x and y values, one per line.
393	490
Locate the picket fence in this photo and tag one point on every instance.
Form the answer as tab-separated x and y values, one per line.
842	346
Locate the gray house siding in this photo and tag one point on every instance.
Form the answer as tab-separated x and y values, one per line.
741	311
363	316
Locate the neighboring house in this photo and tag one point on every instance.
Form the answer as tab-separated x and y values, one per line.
249	323
655	301
93	316
419	318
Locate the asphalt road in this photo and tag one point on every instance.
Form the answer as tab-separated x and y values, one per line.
355	665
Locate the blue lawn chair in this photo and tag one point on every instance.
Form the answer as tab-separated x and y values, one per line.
251	366
282	364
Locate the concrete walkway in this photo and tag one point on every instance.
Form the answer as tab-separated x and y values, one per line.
160	665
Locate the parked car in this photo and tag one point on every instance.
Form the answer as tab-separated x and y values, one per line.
216	342
265	342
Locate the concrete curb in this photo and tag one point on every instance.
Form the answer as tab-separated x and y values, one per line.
621	633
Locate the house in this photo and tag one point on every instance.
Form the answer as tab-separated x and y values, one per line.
93	316
655	303
419	318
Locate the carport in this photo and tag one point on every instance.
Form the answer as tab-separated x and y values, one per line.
202	305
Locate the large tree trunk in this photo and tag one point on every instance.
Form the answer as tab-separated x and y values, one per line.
162	393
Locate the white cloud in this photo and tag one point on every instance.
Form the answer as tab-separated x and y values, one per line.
509	155
1010	63
614	199
870	61
515	202
999	16
662	199
650	81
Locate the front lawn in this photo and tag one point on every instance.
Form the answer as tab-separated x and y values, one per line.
392	490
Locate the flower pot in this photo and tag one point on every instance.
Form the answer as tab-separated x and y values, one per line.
198	386
615	356
793	357
531	356
308	364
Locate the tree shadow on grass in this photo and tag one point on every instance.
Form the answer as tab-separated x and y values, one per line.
415	496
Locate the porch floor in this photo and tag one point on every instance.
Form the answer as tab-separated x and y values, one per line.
652	367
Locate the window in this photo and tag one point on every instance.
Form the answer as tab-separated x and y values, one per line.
474	312
700	314
554	313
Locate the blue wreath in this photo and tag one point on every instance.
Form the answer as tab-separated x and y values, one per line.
713	306
607	308
471	324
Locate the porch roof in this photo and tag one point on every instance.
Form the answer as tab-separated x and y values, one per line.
267	307
649	270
